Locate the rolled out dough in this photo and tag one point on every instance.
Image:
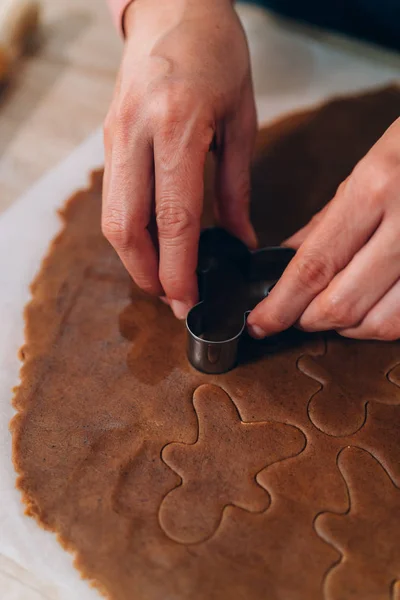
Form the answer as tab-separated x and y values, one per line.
169	484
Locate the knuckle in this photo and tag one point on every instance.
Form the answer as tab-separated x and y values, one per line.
172	284
126	110
340	313
164	112
313	272
176	104
116	230
278	321
171	102
174	220
369	182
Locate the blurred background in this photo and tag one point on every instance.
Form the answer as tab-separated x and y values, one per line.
58	93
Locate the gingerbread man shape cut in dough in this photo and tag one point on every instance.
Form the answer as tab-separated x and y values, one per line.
352	373
367	535
220	468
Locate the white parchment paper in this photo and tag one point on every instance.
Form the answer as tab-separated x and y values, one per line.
291	70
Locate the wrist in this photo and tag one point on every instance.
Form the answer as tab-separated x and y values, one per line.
154	14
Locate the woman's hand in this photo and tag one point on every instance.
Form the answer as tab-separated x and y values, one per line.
346	273
184	78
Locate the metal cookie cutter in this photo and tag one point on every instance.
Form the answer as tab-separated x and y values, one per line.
232	281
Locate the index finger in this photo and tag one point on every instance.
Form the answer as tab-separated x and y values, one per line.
179	191
348	223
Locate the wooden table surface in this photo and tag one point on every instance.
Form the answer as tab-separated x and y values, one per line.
59	95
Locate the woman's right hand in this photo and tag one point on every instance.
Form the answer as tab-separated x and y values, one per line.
184	78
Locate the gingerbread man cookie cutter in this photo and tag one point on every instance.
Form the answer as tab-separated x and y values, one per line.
232	281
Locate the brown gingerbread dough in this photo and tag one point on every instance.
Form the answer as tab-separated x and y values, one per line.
169	484
367	535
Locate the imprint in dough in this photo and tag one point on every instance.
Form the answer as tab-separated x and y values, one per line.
347	385
220	468
367	535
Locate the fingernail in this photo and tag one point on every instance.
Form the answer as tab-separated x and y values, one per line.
165	300
180	309
256	332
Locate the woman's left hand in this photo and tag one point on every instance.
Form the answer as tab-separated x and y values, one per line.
346	273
